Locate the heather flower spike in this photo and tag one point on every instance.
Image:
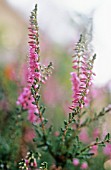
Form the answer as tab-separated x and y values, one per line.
34	49
82	76
37	74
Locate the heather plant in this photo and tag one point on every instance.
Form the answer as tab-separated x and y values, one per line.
65	148
35	143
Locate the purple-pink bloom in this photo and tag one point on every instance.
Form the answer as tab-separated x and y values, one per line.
82	76
75	89
37	74
83	135
26	98
94	150
75	162
107	149
84	165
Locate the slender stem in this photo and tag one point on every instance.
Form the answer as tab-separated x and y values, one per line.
93	144
40	114
101	113
66	128
43	130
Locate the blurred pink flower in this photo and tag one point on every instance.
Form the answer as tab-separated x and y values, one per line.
96	133
52	93
84	165
84	136
76	162
94	150
56	133
29	135
107	149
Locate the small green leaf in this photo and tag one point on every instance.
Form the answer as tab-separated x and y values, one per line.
97	140
65	123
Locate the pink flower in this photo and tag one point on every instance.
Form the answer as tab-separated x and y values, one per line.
84	136
82	75
75	88
84	165
107	149
34	163
26	98
36	73
94	150
50	98
57	133
27	162
96	133
75	162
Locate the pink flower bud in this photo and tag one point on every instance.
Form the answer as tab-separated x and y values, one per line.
27	162
35	163
84	165
75	162
56	133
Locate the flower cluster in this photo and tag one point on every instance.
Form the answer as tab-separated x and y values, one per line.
29	162
82	75
37	74
76	162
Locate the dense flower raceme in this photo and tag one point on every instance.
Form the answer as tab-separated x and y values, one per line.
82	76
25	99
36	73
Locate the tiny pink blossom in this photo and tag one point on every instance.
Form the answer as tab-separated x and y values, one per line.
94	150
56	133
107	149
27	162
76	162
84	165
84	136
35	163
